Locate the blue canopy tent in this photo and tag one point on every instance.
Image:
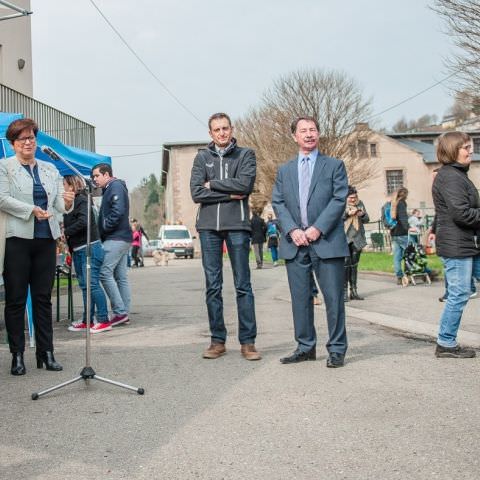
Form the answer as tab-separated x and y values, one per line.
80	159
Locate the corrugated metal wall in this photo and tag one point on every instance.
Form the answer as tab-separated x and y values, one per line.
65	128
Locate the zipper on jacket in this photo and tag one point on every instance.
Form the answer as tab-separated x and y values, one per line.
242	210
198	213
218	204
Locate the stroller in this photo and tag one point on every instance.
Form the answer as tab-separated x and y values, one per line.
415	263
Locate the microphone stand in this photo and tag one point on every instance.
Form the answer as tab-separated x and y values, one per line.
87	373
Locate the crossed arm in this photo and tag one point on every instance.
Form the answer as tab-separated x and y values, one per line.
204	190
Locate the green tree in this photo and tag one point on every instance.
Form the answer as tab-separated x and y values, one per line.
146	204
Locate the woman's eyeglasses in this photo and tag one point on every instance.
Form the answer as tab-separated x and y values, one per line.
24	140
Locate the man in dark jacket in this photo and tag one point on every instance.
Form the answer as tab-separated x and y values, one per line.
259	232
116	235
222	177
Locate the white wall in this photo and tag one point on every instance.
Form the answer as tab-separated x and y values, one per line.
15	43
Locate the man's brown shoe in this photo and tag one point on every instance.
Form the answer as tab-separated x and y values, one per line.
249	352
215	350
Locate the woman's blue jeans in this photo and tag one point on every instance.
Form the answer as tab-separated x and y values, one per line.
98	299
458	277
399	244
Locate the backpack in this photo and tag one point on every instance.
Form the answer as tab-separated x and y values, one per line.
388	221
272	230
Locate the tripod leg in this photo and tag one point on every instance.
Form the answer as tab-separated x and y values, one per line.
140	391
57	274
36	396
70	296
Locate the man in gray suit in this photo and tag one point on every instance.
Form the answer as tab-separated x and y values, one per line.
309	201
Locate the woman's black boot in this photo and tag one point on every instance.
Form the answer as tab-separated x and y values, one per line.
353	286
18	367
48	359
345	291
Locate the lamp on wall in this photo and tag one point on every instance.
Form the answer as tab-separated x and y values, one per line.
21	63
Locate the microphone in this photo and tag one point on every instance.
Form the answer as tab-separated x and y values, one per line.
50	152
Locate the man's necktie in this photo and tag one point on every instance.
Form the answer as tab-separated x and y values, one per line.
305	178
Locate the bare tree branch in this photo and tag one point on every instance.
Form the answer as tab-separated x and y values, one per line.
462	19
330	96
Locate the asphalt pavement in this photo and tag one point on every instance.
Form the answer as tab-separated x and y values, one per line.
394	410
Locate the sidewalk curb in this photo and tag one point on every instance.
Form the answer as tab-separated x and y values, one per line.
411	326
405	325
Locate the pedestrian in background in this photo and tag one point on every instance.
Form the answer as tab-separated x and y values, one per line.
399	233
259	232
144	234
415	223
354	219
457	211
136	244
273	237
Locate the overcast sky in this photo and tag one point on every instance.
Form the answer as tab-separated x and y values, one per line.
220	55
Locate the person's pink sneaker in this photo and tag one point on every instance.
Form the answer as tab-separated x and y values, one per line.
119	319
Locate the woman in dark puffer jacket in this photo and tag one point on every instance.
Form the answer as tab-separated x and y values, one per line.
457	209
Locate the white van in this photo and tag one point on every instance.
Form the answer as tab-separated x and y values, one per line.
176	239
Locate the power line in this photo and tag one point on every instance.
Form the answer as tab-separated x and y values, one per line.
137	154
149	70
414	96
129	145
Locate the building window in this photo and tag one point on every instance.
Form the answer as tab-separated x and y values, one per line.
394	180
353	150
362	148
373	150
476	145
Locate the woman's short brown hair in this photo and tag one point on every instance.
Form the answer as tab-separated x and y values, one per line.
75	181
449	145
18	126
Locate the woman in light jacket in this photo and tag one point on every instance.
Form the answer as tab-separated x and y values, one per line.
31	192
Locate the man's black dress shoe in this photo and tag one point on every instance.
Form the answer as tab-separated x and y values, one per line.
299	356
335	360
18	367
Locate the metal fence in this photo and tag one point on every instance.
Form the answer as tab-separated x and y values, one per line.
378	237
64	127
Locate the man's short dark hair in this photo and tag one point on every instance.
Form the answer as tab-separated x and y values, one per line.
218	116
294	124
104	168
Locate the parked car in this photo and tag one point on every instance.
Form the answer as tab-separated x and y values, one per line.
149	246
176	239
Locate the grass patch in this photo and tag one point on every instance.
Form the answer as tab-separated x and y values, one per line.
383	262
369	261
